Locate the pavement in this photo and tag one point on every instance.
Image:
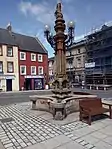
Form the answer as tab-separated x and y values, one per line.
23	96
23	128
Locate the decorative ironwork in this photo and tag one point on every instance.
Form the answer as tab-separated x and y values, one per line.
69	37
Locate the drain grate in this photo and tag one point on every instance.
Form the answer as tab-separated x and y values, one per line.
6	120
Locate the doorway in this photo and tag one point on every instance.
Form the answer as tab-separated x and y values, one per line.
28	84
9	85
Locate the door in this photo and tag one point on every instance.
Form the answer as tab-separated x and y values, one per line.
28	84
9	85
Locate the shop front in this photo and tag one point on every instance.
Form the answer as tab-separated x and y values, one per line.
34	82
6	82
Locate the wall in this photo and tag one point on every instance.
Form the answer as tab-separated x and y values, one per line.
14	59
75	54
30	63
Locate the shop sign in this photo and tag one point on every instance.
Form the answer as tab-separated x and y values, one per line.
31	77
90	65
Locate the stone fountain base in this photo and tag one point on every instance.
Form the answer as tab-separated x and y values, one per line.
58	110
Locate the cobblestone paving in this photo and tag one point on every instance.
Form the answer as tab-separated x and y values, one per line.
73	126
67	130
24	130
19	128
77	139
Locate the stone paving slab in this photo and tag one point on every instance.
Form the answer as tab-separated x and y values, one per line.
22	128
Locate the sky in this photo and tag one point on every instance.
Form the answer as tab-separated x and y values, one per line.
30	16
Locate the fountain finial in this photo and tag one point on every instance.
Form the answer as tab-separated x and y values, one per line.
58	12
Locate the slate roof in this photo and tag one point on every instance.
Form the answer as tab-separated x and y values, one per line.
77	44
24	42
51	59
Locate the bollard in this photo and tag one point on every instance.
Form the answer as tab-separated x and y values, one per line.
34	104
104	88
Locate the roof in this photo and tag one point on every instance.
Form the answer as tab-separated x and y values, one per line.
51	59
77	44
5	37
102	28
24	42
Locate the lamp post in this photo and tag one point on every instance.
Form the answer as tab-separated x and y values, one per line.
60	42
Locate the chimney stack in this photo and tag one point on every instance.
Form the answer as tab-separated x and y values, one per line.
9	27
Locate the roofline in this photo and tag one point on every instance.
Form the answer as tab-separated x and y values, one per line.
37	39
98	31
1	43
31	51
51	58
78	44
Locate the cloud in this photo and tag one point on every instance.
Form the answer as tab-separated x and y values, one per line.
41	11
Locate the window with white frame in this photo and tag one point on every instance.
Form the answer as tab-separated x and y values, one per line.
1	66
40	58
22	56
40	70
33	57
33	70
10	67
23	70
9	51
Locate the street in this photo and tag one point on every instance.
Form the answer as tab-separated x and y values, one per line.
17	97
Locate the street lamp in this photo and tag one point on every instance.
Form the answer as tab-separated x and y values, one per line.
69	36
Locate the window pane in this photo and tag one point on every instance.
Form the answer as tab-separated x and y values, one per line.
40	58
22	55
22	69
40	70
33	57
10	66
9	51
33	70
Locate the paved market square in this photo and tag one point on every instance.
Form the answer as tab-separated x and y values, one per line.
23	128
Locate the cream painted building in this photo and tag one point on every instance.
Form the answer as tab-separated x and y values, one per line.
9	70
75	61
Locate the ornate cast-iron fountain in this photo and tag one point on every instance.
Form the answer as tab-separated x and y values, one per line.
62	102
60	42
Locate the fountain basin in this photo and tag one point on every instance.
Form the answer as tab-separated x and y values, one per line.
61	109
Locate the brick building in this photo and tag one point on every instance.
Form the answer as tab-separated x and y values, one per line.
29	61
